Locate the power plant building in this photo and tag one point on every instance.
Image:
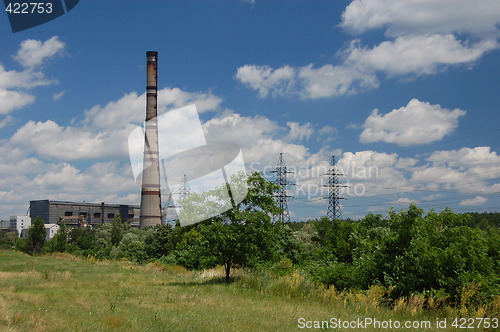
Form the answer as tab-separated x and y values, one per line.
75	213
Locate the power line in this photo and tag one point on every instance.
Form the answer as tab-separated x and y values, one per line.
334	186
281	195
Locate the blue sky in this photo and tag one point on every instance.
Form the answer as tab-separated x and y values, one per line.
405	94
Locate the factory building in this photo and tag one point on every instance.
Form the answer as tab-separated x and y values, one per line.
50	231
81	214
18	223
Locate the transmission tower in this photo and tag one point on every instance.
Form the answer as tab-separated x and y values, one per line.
281	195
333	192
184	189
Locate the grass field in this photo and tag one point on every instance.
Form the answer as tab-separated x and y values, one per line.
64	293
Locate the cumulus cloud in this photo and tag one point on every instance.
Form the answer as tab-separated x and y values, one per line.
478	156
264	79
13	84
26	79
130	108
416	123
404	201
467	170
50	140
417	55
329	80
478	18
34	52
299	132
7	121
12	100
478	200
44	157
425	37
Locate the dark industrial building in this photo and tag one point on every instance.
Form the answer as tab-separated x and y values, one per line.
83	214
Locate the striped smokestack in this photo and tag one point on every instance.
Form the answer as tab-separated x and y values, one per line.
150	192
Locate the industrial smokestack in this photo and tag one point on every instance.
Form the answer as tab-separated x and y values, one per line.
150	192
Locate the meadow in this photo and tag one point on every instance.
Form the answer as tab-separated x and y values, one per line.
62	292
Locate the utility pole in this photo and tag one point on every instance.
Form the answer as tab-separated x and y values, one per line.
281	195
334	186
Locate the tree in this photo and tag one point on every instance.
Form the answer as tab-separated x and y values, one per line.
159	241
242	235
116	230
36	236
9	240
60	240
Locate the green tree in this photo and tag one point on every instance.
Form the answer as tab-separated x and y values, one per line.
60	240
243	235
36	236
82	241
9	240
159	241
116	230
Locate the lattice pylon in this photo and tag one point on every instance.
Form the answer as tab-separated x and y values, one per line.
280	194
334	186
184	190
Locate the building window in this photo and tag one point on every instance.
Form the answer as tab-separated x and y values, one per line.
83	214
97	215
68	214
111	215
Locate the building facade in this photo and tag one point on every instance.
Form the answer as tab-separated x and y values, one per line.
18	223
50	231
82	214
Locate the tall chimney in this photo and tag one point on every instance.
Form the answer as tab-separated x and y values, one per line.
150	192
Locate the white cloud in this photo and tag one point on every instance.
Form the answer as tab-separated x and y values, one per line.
13	84
58	95
468	170
329	80
479	18
407	55
11	100
327	134
416	55
7	121
404	201
478	156
26	79
131	107
478	200
417	123
33	52
426	37
265	79
300	132
49	140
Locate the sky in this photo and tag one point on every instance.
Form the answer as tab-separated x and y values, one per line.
403	93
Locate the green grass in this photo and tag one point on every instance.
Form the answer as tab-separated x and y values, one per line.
64	293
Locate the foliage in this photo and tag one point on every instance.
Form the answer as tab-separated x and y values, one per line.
116	230
60	240
243	235
8	240
36	236
409	252
440	257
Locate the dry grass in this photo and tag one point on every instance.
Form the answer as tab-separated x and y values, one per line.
62	294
